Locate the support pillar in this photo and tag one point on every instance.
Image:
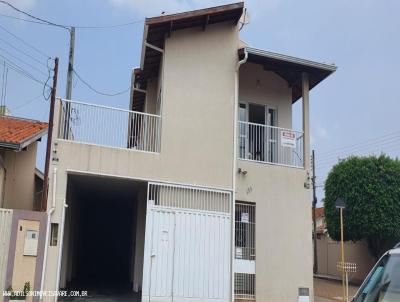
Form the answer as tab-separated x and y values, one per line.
305	85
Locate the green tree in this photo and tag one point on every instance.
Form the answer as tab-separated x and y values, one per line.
371	188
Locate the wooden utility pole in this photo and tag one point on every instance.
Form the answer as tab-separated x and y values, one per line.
43	205
314	206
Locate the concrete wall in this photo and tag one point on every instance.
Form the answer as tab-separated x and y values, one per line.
262	87
197	148
197	128
283	228
139	240
20	173
23	268
328	253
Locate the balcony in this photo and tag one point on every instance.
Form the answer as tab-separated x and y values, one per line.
268	144
111	127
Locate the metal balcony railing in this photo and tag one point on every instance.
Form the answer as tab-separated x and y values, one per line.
268	144
107	126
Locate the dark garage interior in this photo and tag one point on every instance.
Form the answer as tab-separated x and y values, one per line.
100	234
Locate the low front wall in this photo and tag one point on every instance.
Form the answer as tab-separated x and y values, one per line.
21	268
328	253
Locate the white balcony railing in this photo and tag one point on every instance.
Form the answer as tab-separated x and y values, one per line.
107	126
269	144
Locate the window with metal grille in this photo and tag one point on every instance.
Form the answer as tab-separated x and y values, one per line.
188	197
245	286
245	223
245	252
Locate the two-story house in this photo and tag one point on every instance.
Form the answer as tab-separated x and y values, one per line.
178	197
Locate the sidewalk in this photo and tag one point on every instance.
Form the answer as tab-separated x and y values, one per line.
330	290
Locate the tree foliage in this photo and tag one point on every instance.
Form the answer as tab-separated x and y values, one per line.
371	188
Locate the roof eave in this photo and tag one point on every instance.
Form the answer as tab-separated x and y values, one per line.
289	59
19	146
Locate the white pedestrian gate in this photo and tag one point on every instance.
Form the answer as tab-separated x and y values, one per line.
187	253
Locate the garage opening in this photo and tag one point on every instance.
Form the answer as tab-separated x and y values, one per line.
104	236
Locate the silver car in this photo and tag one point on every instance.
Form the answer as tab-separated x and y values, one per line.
383	282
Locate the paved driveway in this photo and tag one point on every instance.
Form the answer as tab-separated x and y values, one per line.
330	290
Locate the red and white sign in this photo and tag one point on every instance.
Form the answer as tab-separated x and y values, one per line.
288	139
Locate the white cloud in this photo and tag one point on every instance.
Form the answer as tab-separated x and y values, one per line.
21	4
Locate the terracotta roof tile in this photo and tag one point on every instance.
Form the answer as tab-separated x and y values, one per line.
15	130
319	212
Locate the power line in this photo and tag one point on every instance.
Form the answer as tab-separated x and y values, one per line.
20	70
32	16
378	138
23	52
22	19
24	42
23	61
4	85
65	26
97	91
26	103
364	149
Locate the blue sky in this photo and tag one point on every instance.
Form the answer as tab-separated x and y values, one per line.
359	105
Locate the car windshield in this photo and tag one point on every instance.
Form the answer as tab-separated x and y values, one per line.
383	284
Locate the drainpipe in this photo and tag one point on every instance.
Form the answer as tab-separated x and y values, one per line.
235	113
49	214
60	251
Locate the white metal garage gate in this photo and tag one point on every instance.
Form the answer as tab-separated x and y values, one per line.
187	254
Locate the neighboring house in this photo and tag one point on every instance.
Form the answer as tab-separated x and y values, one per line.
320	223
20	181
22	229
328	252
178	197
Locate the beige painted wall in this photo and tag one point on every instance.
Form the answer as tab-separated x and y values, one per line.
24	266
192	151
20	178
283	228
262	87
328	253
197	148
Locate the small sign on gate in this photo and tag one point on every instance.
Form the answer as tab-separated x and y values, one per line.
244	217
288	139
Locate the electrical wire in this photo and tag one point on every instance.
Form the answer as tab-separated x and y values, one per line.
26	103
352	146
364	149
21	19
23	52
23	61
24	42
45	83
96	90
32	16
4	85
68	27
20	70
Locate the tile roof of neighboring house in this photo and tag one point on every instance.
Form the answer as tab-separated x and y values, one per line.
17	133
319	212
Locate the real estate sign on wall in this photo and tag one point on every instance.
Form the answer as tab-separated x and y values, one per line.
288	139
